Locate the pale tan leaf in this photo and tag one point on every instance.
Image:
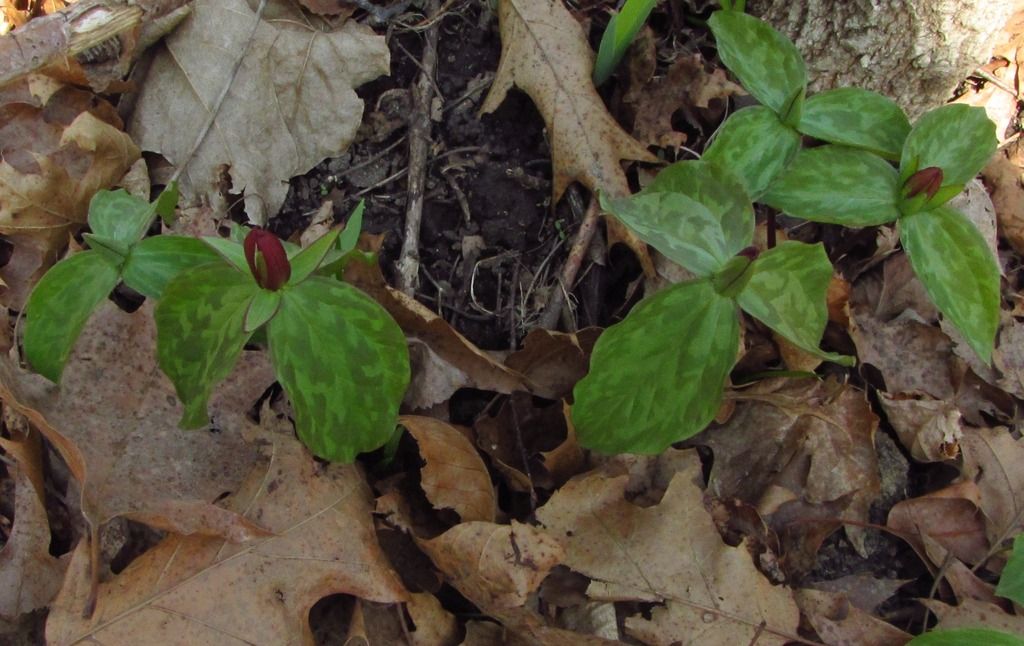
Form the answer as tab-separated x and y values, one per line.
203	590
671	554
435	626
929	428
454	476
839	623
291	104
494	566
114	421
975	614
950	516
995	461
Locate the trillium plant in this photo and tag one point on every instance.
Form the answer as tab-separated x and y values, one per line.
341	359
658	376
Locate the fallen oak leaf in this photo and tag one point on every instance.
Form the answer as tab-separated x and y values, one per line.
203	590
113	422
545	53
670	554
838	622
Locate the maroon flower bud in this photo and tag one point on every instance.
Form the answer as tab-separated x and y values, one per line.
751	253
926	181
267	259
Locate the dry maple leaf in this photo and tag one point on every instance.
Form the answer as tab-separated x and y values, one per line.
114	423
59	146
545	53
203	590
291	104
671	554
454	476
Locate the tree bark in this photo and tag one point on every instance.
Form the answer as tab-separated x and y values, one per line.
914	51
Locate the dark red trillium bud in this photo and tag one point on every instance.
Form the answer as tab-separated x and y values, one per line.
926	181
267	259
750	253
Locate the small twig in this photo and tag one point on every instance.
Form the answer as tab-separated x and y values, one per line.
580	245
419	146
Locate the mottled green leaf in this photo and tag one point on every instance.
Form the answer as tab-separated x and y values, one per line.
59	306
306	261
619	33
200	332
718	190
165	203
855	117
754	146
767	63
230	250
262	308
838	185
732	278
350	234
959	139
677	226
120	215
958	271
657	377
344	364
966	637
115	251
154	261
1011	581
787	293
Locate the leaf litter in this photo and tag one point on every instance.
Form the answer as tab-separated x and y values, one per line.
489	524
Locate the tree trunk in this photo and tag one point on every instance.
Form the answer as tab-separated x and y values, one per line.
914	51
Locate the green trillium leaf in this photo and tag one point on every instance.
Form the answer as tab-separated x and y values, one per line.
115	251
230	250
200	323
767	63
350	234
306	261
733	277
262	308
165	203
787	292
120	216
677	226
344	364
755	146
153	262
958	271
718	190
60	305
657	377
1011	581
858	118
838	185
966	637
959	139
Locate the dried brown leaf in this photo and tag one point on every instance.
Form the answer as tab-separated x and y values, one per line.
434	626
115	424
812	439
950	516
995	461
838	622
671	554
454	476
291	104
554	361
203	590
975	614
1003	176
929	428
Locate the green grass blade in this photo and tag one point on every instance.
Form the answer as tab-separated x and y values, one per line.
677	226
718	190
957	138
344	364
619	33
59	307
200	332
838	185
755	147
958	271
657	377
767	63
787	293
154	261
859	118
